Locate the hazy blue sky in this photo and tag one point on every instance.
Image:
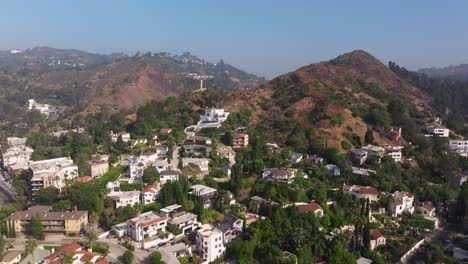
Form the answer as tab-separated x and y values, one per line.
265	37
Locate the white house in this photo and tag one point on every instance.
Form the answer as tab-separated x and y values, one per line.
202	163
204	192
402	203
210	244
17	157
146	225
282	175
123	199
436	131
394	152
426	208
362	192
168	175
212	118
310	207
52	172
295	157
376	239
125	136
160	165
459	146
186	221
150	193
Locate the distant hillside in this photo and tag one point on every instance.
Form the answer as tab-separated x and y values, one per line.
337	101
84	82
458	72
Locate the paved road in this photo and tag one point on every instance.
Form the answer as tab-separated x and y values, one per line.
116	250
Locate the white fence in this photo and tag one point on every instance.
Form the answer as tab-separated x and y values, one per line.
408	254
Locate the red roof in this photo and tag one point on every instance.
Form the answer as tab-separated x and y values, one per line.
375	234
82	179
310	207
70	248
368	190
165	130
397	202
150	188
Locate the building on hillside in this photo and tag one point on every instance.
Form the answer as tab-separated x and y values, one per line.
436	131
17	157
165	131
226	152
394	133
295	157
82	179
210	244
125	136
200	140
204	192
99	165
135	142
376	239
358	155
402	203
362	171
272	148
426	208
79	255
196	150
150	193
240	141
310	207
231	226
394	152
184	220
171	254
212	118
459	147
69	223
160	165
146	225
123	199
202	163
332	170
16	141
314	160
51	173
376	151
362	192
285	175
168	175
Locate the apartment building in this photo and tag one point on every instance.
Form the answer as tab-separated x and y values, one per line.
210	244
52	172
146	225
123	199
99	165
52	222
240	141
204	192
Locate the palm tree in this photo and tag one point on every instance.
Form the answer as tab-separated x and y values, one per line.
30	247
90	237
67	258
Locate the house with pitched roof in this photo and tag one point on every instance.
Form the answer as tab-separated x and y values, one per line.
79	254
376	239
362	192
402	203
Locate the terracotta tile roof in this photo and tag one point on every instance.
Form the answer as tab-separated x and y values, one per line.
375	234
84	178
397	202
368	190
310	207
56	256
150	188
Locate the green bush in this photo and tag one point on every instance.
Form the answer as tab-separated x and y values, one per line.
345	145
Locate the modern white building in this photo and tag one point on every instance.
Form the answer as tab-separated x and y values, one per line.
146	225
125	136
123	199
204	192
231	226
210	244
394	152
436	131
160	165
52	172
459	146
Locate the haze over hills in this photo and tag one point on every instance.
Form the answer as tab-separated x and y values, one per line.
452	72
86	81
